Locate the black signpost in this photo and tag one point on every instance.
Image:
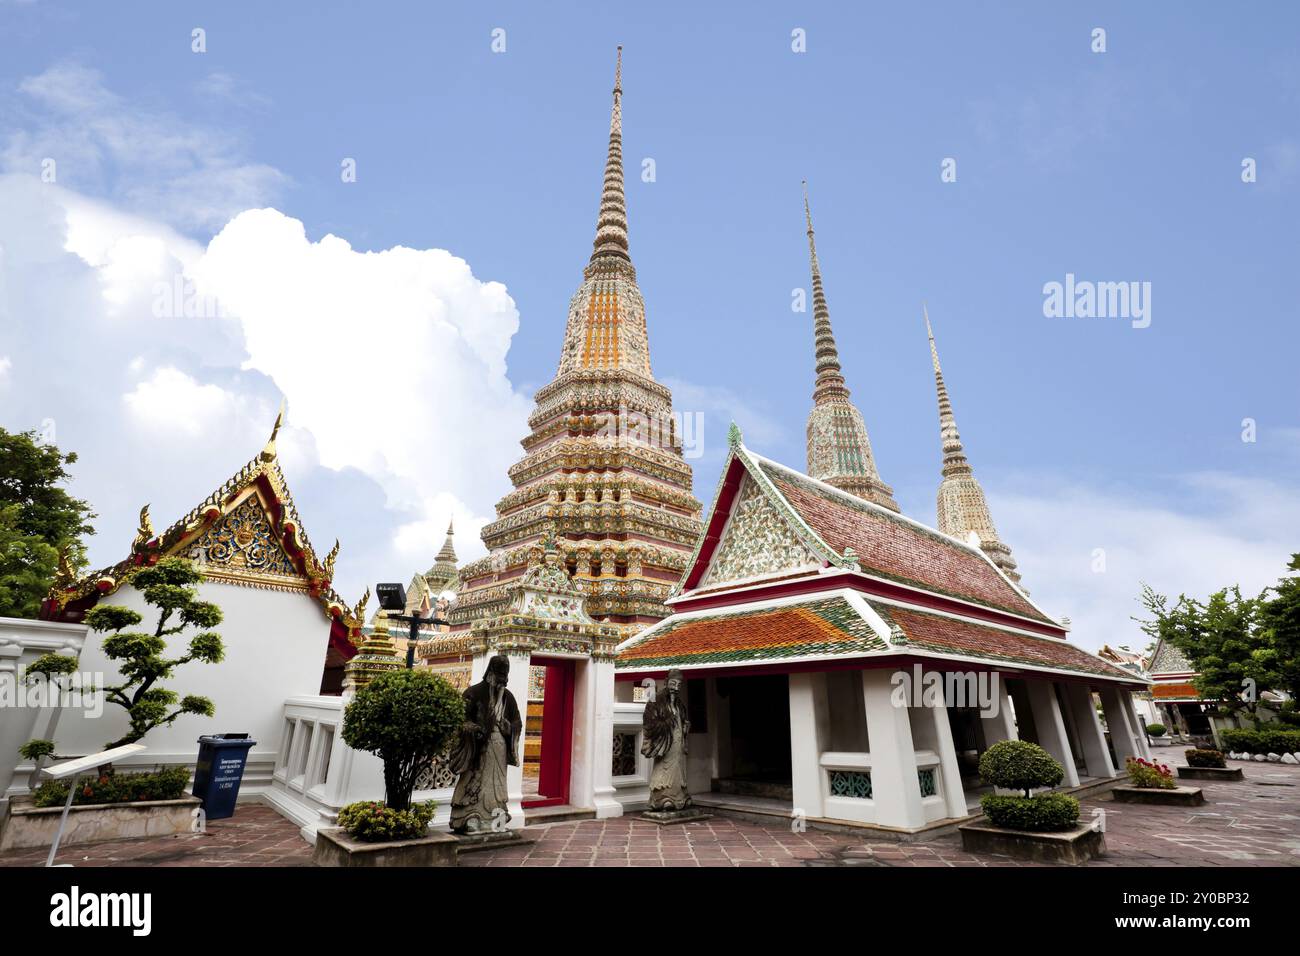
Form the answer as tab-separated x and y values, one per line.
392	597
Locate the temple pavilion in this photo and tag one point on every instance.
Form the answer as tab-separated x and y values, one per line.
846	663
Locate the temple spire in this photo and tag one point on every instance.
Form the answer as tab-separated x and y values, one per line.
962	508
611	224
839	451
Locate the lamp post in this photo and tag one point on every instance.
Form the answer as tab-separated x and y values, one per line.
392	597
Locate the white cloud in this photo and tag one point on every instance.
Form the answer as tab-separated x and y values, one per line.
172	401
5	365
149	161
1206	532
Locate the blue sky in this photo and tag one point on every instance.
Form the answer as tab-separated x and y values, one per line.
1115	166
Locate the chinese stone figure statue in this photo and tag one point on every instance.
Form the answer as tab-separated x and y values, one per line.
489	742
666	727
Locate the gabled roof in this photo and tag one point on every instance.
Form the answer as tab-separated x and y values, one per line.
841	625
247	532
1167	659
846	531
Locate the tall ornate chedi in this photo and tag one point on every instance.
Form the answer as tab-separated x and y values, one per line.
602	472
839	451
961	505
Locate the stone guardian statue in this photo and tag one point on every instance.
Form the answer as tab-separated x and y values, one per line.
664	740
489	742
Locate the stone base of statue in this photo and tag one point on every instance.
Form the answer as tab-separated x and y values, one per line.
492	840
689	814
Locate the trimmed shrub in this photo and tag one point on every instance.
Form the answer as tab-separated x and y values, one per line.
1199	757
1148	775
166	784
1019	765
1156	730
1271	738
1045	813
370	820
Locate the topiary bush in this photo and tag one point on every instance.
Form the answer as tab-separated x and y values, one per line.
1019	765
1156	730
1199	757
370	820
1148	775
1045	813
166	784
407	718
1274	738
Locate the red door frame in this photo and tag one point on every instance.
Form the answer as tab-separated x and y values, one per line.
555	761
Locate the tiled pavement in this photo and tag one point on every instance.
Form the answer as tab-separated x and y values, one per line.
1253	823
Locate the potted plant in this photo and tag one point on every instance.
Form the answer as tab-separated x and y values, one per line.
136	804
1158	734
407	718
1042	826
1154	783
1204	764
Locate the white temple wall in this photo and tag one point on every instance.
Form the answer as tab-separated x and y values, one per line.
275	643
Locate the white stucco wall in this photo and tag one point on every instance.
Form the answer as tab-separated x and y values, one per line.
275	648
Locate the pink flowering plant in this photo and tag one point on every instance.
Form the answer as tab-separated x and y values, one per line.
1148	775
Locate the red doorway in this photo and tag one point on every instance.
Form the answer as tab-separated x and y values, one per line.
557	734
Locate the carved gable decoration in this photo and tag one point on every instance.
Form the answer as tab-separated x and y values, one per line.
548	592
244	545
758	542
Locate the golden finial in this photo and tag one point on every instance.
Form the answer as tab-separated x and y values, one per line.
268	452
359	612
65	576
144	533
330	558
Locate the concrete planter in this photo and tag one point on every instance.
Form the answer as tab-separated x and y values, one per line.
1165	741
1070	847
29	826
1154	796
335	848
1210	773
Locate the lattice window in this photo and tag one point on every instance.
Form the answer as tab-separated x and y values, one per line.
851	783
436	776
624	754
929	785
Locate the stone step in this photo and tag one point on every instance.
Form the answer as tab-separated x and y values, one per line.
563	813
773	790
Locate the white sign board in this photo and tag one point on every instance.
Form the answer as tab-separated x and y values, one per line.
70	768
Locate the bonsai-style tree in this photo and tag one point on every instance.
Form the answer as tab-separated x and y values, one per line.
170	586
1020	765
407	718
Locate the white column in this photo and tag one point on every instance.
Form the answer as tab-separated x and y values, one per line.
998	725
809	719
894	786
954	794
1087	727
593	724
1051	727
1118	721
518	685
1139	725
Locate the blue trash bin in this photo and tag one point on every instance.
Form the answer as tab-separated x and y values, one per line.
218	773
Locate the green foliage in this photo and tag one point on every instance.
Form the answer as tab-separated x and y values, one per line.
1200	757
1147	775
1019	765
38	518
1281	617
1045	813
37	749
1225	641
1156	730
1268	738
51	665
166	784
373	821
171	586
407	718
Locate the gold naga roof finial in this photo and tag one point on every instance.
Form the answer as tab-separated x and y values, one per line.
65	576
359	612
328	566
144	534
268	452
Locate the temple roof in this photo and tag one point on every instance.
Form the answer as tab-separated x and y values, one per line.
842	530
1167	659
842	624
247	532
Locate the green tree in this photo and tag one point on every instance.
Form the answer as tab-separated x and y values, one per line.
38	520
170	586
1281	616
1225	641
407	718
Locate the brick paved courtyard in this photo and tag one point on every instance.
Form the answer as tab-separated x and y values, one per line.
1254	823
